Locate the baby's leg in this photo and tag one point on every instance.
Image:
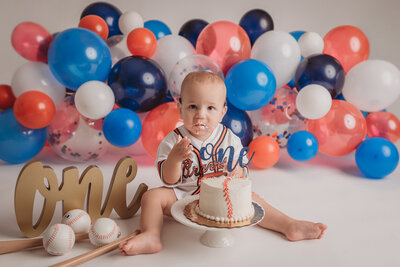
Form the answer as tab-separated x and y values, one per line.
155	203
294	230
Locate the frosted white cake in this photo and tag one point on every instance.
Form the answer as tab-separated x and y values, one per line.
225	199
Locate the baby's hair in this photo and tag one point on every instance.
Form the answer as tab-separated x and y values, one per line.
201	77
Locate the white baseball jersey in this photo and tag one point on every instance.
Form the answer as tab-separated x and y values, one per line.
195	167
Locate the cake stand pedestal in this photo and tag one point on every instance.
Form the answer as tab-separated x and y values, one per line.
213	236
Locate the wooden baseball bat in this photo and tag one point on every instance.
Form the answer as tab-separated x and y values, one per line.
17	245
94	253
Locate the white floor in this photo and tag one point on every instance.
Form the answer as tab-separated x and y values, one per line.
362	216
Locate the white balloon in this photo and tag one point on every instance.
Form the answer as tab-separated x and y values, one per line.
280	51
170	49
311	43
94	99
118	48
313	101
129	21
372	85
36	76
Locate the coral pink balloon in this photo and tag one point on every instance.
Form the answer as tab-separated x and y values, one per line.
225	42
31	41
383	124
341	130
348	44
159	122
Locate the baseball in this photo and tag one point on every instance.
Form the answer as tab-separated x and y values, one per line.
58	239
78	220
103	231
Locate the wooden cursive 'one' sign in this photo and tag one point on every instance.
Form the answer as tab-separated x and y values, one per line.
73	191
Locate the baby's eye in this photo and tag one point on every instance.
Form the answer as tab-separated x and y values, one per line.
211	108
192	107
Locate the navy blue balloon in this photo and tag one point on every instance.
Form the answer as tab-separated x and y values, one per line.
250	84
256	22
158	28
78	55
302	146
320	69
191	30
297	34
239	122
138	83
122	127
106	11
17	143
377	157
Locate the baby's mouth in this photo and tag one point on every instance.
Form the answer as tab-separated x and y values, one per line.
200	126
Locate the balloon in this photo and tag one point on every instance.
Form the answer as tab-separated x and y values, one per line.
280	118
156	126
34	109
302	146
118	48
372	85
310	43
187	65
297	34
377	157
107	12
17	143
74	137
138	83
383	124
94	100
280	51
313	101
37	76
341	130
78	55
7	97
122	127
142	42
323	70
255	22
137	148
159	28
225	42
348	44
170	50
266	152
239	122
250	85
31	41
191	29
129	21
96	24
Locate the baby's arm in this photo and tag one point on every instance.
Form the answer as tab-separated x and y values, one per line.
172	169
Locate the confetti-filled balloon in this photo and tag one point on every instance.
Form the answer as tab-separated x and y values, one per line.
118	48
341	130
96	24
108	12
255	22
159	28
191	30
239	122
7	97
383	124
377	157
302	146
264	152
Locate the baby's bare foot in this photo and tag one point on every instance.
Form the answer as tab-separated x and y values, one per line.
144	243
300	230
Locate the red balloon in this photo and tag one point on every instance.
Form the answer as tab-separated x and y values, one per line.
383	124
142	42
348	44
266	152
341	130
34	109
225	42
31	41
7	97
95	24
159	122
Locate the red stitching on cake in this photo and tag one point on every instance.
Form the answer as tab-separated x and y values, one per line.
76	218
51	239
228	197
98	236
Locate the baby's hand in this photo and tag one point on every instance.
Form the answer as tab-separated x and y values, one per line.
181	149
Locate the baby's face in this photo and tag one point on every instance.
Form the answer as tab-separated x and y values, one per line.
202	108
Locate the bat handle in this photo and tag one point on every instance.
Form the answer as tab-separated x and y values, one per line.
94	253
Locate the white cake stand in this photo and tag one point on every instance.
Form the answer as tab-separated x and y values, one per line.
213	237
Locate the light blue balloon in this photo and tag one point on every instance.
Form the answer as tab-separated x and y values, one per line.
78	55
250	84
17	143
158	28
302	146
